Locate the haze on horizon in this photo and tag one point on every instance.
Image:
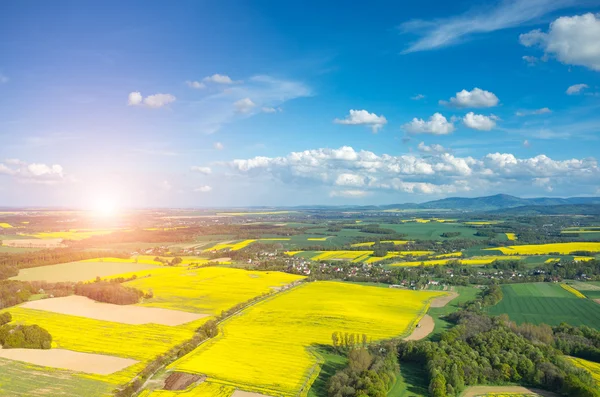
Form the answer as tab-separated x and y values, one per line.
229	103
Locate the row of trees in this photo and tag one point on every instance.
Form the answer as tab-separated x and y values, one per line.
371	371
110	292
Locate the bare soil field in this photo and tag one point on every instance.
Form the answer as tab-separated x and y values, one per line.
426	326
136	315
34	243
241	393
224	259
443	300
475	391
67	359
181	381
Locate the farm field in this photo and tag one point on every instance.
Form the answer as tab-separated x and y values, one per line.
81	271
538	303
590	289
266	347
511	236
18	379
431	230
4	225
545	249
592	367
72	234
475	261
353	256
204	389
233	246
207	290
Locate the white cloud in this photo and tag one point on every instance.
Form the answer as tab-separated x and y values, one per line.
202	170
506	14
244	105
152	101
531	60
350	180
479	121
437	125
539	111
33	172
218	146
218	79
572	40
195	84
418	97
433	148
134	98
362	117
434	173
576	89
158	100
203	189
268	109
349	193
476	98
526	143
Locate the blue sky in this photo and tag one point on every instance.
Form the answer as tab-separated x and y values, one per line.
233	103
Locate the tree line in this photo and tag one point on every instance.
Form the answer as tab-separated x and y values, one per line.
13	336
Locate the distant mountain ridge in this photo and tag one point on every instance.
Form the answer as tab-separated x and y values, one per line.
496	202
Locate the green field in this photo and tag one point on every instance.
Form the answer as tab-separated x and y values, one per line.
411	382
546	303
590	289
26	380
78	271
465	294
431	230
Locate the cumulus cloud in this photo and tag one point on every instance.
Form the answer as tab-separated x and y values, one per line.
218	146
152	101
202	170
434	172
351	193
479	121
244	105
348	179
436	125
203	189
218	79
439	33
195	84
33	172
418	97
433	148
363	117
576	89
268	109
572	40
539	111
476	98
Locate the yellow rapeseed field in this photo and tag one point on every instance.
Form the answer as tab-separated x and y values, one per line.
511	236
545	249
583	258
275	239
397	254
231	246
449	255
138	342
318	238
334	255
207	290
266	348
370	243
5	225
72	234
475	261
552	260
573	291
592	367
204	389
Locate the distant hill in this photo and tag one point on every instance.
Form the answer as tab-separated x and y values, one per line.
497	202
565	209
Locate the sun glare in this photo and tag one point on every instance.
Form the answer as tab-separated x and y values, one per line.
104	207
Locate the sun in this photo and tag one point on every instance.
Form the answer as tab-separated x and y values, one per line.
104	207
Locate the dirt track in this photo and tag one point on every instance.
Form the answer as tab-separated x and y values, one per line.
67	359
444	300
426	326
